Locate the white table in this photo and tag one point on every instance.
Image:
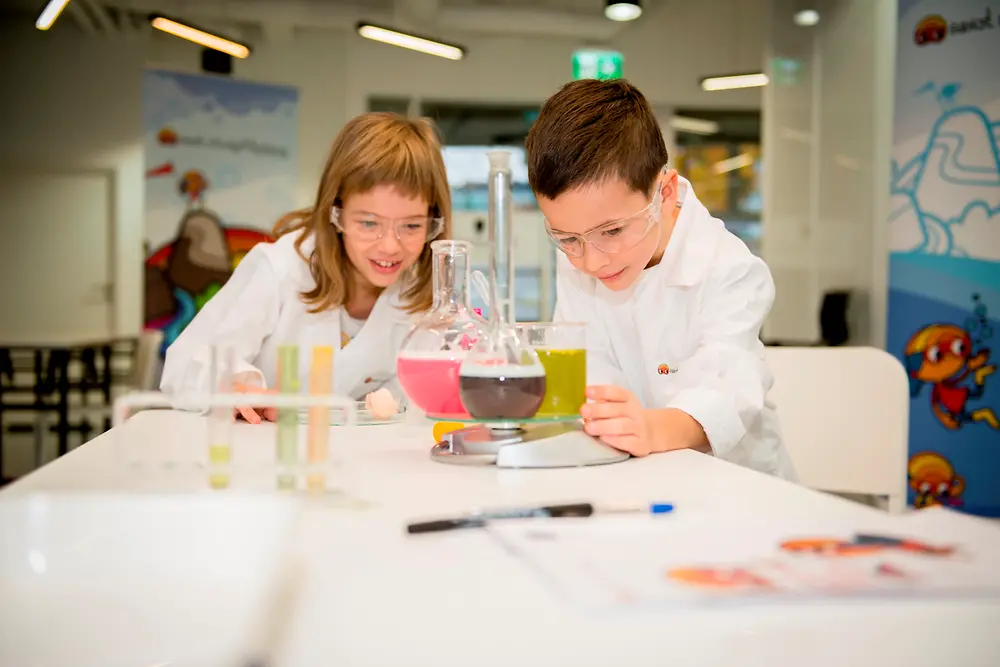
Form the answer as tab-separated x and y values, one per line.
375	596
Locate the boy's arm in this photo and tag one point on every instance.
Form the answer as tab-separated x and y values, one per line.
725	382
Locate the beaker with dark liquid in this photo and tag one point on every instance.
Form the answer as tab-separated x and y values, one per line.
435	347
493	388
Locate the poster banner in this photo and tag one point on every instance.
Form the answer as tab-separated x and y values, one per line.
944	240
221	160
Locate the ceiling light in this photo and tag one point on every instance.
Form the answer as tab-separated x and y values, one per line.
694	125
731	81
408	41
807	17
206	39
623	10
50	14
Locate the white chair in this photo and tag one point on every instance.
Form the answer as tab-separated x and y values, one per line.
844	414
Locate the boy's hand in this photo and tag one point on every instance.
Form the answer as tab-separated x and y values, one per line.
617	417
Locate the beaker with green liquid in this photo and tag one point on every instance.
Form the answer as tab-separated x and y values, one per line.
562	349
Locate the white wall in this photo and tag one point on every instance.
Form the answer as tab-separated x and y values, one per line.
826	150
78	97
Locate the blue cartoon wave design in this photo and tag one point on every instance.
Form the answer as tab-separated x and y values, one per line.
946	198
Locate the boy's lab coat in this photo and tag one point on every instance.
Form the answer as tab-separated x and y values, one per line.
259	309
686	336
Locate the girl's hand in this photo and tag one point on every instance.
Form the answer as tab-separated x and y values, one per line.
254	415
617	417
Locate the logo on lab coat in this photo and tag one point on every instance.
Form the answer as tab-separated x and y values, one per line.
664	369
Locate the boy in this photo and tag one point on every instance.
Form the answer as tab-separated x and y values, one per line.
673	302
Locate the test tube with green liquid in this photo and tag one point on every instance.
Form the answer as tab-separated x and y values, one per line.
220	418
288	419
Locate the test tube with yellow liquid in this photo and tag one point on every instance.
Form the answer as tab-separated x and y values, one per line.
318	429
562	349
287	450
220	418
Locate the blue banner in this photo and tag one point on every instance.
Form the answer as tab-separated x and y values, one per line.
944	240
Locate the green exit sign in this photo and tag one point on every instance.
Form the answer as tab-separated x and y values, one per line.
588	64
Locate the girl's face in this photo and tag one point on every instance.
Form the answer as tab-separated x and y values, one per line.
384	232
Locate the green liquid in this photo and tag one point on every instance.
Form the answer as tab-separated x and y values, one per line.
565	382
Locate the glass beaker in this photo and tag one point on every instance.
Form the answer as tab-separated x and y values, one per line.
502	378
435	347
562	349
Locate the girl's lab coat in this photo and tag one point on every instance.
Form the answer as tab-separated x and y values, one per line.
686	336
259	309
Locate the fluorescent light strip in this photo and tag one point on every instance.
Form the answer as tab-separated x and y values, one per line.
50	14
200	37
734	81
694	125
412	42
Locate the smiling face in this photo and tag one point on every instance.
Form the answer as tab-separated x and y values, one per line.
383	209
610	231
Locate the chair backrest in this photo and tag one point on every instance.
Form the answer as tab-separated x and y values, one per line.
844	414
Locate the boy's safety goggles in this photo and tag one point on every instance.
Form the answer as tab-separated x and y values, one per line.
612	237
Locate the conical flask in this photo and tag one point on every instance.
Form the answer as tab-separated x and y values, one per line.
435	347
501	378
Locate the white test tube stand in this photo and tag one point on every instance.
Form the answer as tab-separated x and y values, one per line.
186	457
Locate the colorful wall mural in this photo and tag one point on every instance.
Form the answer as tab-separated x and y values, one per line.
221	160
944	239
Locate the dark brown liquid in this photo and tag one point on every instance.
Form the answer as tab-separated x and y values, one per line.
501	397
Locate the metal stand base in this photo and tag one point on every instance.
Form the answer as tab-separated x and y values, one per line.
560	445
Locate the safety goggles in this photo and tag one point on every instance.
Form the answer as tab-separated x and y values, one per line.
368	228
612	237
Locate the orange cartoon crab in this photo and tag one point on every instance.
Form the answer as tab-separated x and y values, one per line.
934	481
941	355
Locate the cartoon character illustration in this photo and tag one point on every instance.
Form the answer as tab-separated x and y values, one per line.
663	369
942	356
861	545
719	577
183	274
934	481
192	184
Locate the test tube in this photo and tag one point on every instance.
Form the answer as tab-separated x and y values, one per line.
220	418
318	430
288	418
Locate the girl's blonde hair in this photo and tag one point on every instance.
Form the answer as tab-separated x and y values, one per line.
372	149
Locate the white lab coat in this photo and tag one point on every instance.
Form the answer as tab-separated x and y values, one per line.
699	313
259	309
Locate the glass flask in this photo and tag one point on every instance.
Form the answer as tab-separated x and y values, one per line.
501	378
435	347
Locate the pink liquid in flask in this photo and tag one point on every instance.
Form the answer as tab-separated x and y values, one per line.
431	382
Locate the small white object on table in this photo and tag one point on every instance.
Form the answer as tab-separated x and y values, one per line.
372	595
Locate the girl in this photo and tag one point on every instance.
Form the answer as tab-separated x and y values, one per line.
347	272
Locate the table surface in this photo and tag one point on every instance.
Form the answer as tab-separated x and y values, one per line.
100	564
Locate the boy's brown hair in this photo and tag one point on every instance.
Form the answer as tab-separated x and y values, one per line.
591	131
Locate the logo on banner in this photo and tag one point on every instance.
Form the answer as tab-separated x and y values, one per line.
933	28
930	30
